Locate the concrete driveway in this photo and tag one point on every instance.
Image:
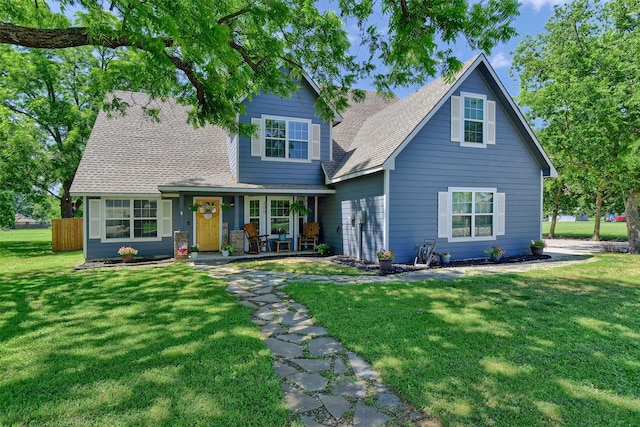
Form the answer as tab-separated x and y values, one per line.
563	247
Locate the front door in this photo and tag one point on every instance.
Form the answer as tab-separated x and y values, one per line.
207	221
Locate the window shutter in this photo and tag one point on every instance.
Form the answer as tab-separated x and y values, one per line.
456	127
256	138
500	214
167	224
443	214
491	122
315	142
95	222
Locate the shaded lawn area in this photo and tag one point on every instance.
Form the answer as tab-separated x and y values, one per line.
559	346
126	346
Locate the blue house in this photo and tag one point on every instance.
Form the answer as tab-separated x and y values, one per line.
454	161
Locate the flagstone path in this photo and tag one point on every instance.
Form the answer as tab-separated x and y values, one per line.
324	383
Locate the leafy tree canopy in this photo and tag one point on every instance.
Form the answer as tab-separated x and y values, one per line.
214	54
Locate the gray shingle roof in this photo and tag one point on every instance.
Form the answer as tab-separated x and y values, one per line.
383	132
134	154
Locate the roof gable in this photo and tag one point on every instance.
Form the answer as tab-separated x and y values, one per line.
384	134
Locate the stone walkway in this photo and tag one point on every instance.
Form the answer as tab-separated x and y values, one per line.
325	384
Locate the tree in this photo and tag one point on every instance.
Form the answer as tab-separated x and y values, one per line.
580	78
214	54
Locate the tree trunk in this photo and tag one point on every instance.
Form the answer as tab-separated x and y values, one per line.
596	227
554	212
68	206
633	221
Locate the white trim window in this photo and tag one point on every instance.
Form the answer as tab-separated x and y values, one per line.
279	216
286	139
468	214
473	122
131	219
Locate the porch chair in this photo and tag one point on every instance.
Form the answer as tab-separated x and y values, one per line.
309	236
256	241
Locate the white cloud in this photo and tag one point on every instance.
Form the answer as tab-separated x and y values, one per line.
500	60
539	4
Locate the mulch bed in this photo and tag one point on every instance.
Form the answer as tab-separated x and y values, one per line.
403	268
117	262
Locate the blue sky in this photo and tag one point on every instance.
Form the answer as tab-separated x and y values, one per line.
534	14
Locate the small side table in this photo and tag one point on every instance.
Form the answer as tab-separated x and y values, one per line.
283	246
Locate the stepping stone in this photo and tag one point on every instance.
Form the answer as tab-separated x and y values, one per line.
265	298
336	405
248	304
284	349
310	422
356	389
339	367
271	329
313	365
307	330
324	346
309	382
368	416
265	313
263	290
293	318
292	338
297	401
362	369
283	370
388	400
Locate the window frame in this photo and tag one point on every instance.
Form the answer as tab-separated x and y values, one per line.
287	140
270	199
473	214
463	119
159	218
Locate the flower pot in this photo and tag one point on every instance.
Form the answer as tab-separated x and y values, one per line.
194	255
385	264
282	237
225	253
127	258
446	259
496	258
537	250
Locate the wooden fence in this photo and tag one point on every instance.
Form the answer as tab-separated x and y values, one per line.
66	234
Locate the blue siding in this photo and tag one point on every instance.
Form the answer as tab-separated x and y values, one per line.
339	230
254	170
97	250
431	163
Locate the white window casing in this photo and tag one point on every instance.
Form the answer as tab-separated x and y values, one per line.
491	122
500	214
315	142
167	224
95	219
256	138
445	214
456	126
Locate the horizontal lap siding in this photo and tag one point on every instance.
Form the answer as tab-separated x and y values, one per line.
343	235
432	163
300	105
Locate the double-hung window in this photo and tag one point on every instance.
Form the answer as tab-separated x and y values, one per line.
466	214
286	139
473	120
279	218
131	219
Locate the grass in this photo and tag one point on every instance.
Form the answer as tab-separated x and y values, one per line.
125	346
584	230
558	346
314	266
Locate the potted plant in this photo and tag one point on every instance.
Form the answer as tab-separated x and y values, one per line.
495	253
445	257
323	248
537	247
127	253
299	207
194	251
385	257
282	234
227	249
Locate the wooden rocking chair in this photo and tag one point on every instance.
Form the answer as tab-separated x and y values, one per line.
256	241
309	236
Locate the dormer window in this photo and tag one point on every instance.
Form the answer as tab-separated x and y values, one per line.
473	120
286	139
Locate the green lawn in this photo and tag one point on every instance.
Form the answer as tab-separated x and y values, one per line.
125	346
584	229
549	347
